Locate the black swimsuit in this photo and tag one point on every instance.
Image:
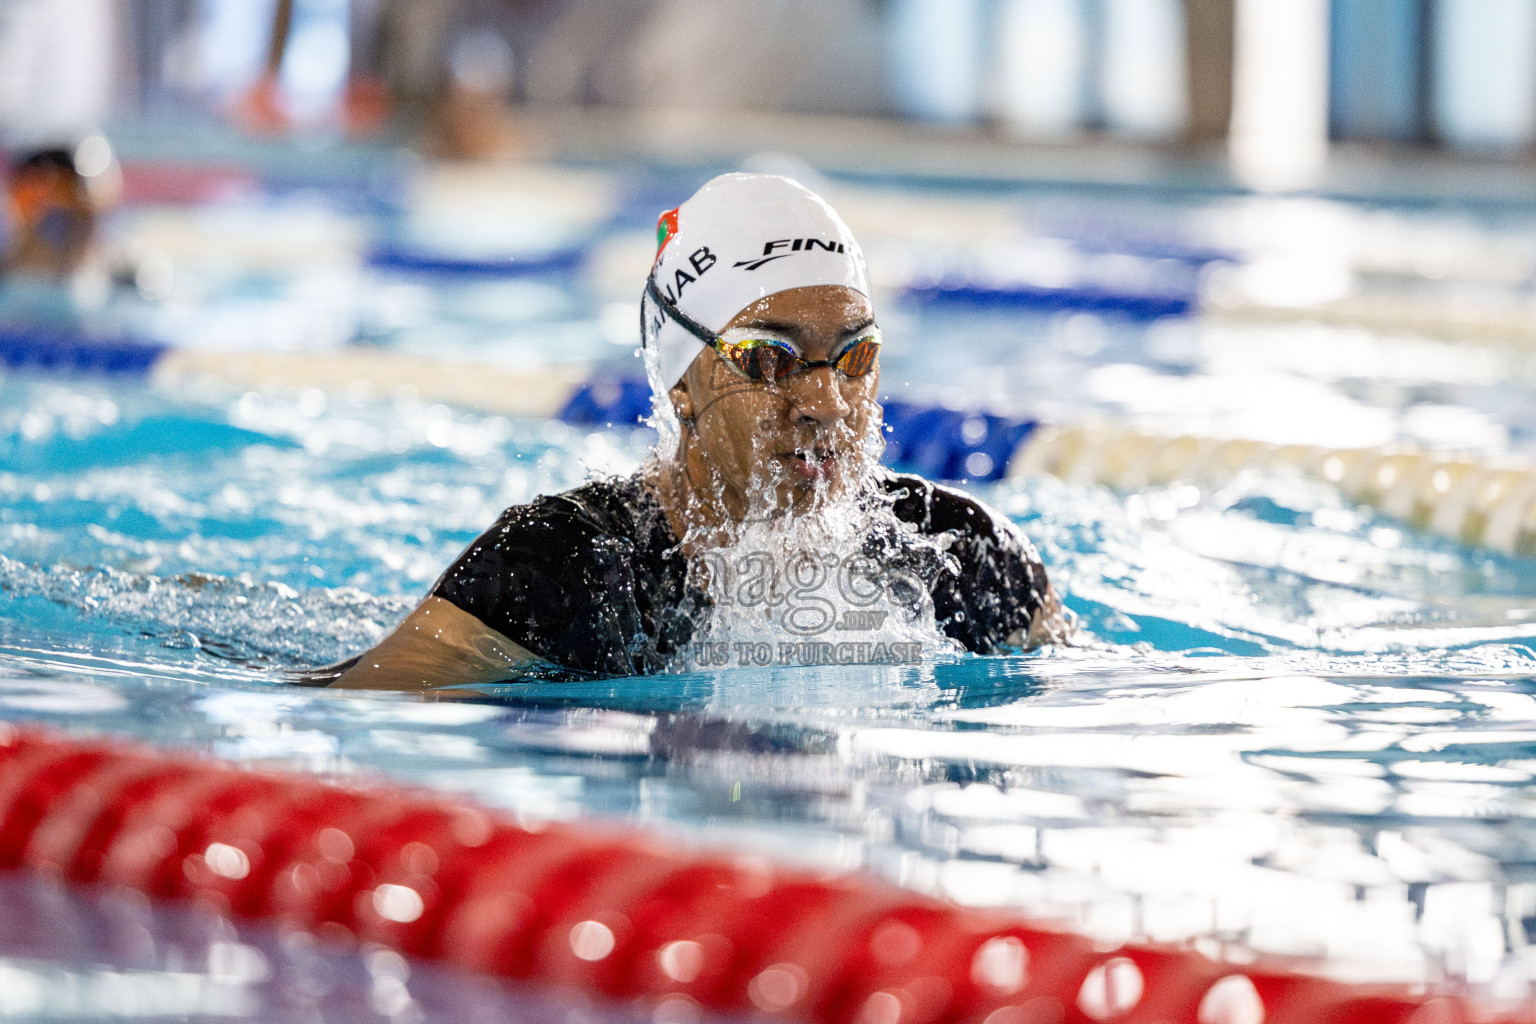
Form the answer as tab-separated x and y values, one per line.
593	581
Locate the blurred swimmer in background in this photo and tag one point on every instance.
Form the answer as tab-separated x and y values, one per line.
763	530
57	61
50	217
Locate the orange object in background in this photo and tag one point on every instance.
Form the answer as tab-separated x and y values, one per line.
362	112
365	107
261	110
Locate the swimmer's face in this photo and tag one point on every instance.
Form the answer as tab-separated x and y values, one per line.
773	448
54	216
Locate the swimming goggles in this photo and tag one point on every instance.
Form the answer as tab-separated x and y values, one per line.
770	359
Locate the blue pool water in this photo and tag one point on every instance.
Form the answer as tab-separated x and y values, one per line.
1296	726
1301	728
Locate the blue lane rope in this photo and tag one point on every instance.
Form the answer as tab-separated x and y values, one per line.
406	259
61	352
951	444
1140	304
1135	306
608	402
940	443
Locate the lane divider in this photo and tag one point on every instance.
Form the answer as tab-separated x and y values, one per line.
1487	321
616	912
954	288
1501	317
408	259
56	351
1482	502
1140	306
1477	501
540	392
951	444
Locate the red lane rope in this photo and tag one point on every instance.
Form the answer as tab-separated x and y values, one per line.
611	911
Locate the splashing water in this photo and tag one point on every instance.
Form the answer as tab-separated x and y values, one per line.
842	585
268	624
807	564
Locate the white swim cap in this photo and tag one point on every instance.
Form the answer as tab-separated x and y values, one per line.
739	238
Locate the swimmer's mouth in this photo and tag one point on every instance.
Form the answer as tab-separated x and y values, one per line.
811	463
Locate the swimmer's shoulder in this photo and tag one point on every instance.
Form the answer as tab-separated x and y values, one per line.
1001	588
936	508
545	564
556	535
617	506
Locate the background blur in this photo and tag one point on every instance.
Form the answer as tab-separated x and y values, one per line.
1230	305
1277	79
1297	221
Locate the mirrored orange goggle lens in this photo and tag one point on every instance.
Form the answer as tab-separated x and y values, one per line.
766	360
859	358
761	360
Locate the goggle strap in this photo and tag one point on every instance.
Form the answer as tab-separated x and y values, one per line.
686	322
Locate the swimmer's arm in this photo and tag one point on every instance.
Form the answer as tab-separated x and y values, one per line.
438	644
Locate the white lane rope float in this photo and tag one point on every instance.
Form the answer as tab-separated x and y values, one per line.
1476	500
1479	501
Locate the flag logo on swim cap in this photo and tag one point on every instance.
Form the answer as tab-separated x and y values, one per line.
666	228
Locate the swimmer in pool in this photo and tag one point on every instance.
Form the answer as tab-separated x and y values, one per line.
51	217
763	348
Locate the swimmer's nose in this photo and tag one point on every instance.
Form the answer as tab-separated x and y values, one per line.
816	398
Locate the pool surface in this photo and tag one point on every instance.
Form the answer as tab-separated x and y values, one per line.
1296	725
